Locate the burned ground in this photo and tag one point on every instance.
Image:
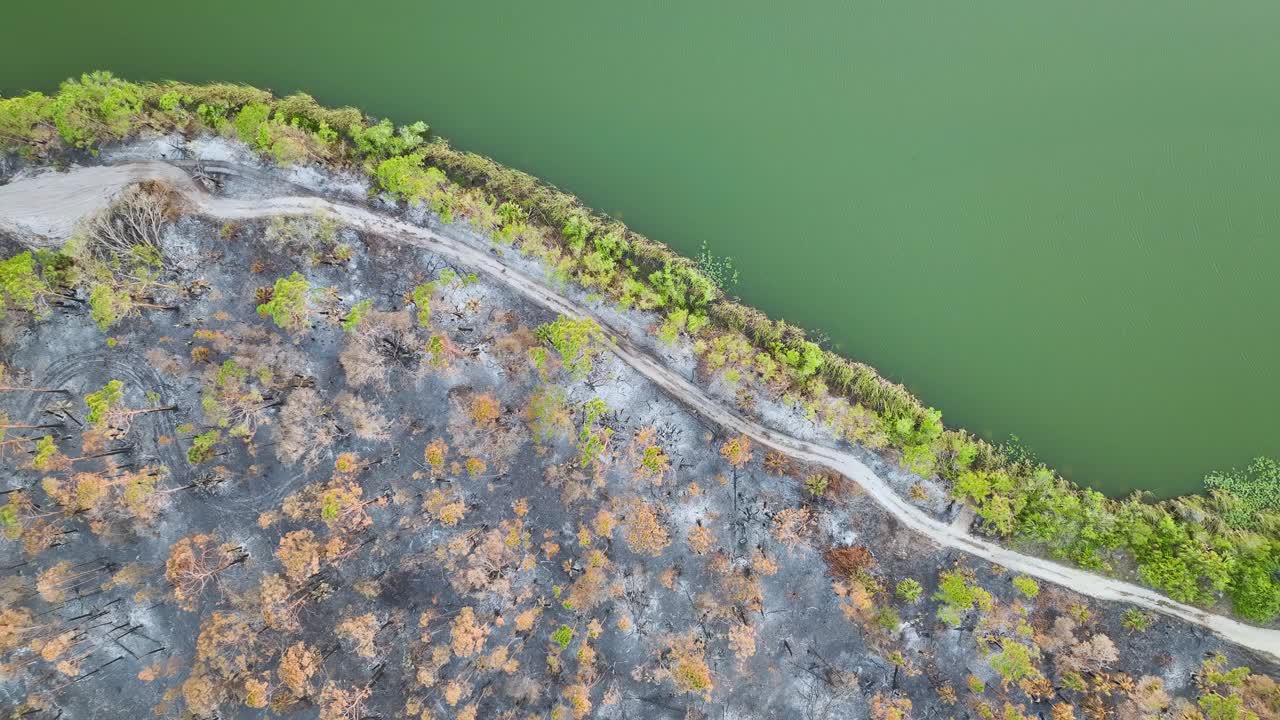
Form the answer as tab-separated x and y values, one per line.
425	514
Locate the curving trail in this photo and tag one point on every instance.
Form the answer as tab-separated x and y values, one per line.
50	204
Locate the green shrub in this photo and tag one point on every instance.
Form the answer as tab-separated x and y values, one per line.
46	449
249	119
888	619
575	231
286	142
9	518
352	321
1027	586
958	596
171	101
21	287
422	301
1177	557
592	439
909	590
202	447
548	413
563	636
803	358
681	286
599	267
213	116
435	349
381	141
958	451
102	402
24	119
98	106
1014	662
406	178
990	493
579	342
1254	590
817	484
109	305
676	321
289	306
1136	620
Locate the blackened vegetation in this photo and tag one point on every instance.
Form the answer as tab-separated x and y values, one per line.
389	510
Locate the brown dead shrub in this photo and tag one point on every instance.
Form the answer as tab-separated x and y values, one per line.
845	562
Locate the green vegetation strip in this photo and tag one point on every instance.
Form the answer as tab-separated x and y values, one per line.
1196	549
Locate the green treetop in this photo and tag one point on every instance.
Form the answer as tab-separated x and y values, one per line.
579	342
289	306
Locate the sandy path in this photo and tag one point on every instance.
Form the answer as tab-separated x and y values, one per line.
55	201
49	204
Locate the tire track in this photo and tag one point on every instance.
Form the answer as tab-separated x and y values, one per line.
73	372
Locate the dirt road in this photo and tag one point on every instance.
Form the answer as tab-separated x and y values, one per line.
50	204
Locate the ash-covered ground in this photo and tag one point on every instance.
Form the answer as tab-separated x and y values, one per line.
403	503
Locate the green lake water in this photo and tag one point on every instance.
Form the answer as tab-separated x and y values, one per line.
1051	219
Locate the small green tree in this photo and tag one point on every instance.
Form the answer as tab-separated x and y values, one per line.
381	141
21	286
422	301
46	451
681	286
103	402
1222	691
579	342
1225	707
106	407
249	119
958	596
592	440
576	229
95	107
1014	662
25	119
356	314
290	304
991	493
405	177
109	305
803	358
202	447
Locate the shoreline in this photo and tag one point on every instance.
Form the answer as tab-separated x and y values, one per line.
110	179
553	227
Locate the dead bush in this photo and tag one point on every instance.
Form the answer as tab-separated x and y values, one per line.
846	562
132	225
